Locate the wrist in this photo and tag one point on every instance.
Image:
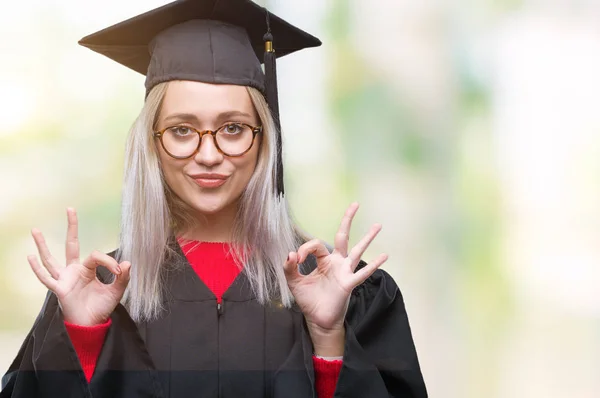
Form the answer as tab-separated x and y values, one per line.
84	321
327	342
88	325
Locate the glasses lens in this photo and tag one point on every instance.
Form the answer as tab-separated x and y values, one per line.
234	138
180	141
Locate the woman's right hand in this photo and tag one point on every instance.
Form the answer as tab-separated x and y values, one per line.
84	300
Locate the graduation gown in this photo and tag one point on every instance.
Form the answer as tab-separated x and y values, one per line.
239	348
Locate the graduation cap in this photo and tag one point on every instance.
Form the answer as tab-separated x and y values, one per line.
210	41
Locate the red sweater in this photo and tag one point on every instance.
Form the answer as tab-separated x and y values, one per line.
215	266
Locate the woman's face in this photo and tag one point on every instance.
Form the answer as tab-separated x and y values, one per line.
208	181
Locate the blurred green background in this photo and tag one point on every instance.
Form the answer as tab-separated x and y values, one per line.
469	129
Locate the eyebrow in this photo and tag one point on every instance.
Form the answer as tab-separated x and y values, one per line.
190	117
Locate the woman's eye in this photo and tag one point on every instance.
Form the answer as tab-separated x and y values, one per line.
180	130
233	128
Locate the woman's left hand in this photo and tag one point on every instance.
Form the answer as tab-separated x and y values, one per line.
324	294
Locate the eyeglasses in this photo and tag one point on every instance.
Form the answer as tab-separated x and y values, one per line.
231	139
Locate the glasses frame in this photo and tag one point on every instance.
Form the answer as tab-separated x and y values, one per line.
255	130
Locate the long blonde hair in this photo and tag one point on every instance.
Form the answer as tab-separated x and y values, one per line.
152	213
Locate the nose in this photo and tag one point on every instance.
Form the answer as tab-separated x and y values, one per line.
208	154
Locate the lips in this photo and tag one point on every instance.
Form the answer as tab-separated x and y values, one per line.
209	180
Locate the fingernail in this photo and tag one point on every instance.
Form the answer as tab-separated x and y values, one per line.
288	258
119	269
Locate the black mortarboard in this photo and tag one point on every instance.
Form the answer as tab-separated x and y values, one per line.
211	41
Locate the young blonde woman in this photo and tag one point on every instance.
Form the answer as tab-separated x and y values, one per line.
213	291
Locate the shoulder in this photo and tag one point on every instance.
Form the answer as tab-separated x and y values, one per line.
379	283
375	299
379	290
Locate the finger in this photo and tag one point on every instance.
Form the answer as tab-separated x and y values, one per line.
47	260
314	246
42	275
359	249
290	267
122	279
72	243
98	258
364	273
340	242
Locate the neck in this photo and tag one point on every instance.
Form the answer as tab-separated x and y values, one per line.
217	227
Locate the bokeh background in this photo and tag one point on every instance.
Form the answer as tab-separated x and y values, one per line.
470	129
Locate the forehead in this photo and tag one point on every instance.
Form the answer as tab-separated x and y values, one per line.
206	101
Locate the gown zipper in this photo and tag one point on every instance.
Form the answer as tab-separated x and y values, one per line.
219	313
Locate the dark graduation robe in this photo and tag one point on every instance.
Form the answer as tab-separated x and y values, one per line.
238	349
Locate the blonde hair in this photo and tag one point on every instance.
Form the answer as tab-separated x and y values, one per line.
152	213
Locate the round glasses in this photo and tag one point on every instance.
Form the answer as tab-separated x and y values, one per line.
231	139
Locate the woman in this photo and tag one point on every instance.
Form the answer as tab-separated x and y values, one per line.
214	291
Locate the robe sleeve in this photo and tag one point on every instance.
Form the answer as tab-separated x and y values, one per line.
380	358
47	364
88	341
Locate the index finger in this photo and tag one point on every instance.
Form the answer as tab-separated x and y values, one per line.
340	242
72	243
98	258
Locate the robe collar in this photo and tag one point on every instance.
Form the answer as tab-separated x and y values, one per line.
183	283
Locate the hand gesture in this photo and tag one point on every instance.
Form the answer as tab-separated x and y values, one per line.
84	300
323	295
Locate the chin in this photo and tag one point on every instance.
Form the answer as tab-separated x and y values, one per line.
205	204
208	208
